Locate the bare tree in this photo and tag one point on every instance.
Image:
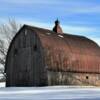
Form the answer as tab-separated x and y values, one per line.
7	32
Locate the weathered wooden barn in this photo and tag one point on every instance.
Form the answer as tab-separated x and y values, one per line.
40	57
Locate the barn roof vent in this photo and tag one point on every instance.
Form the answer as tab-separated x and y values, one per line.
48	33
57	27
61	36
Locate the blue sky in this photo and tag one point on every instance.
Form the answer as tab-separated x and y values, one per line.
81	17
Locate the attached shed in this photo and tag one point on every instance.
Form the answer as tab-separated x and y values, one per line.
40	57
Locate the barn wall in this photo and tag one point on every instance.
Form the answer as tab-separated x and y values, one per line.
70	78
25	62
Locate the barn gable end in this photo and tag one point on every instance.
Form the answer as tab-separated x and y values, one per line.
25	64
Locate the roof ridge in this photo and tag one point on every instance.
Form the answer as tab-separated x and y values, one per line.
52	31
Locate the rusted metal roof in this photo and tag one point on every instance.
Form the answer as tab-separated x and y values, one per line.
65	52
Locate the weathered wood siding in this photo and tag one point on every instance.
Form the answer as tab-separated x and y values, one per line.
71	78
25	64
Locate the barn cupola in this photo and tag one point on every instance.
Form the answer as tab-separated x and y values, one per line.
57	27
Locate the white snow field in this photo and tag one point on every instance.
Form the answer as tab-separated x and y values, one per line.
50	93
2	84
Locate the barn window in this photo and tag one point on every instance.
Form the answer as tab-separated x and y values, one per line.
25	32
87	77
35	47
15	52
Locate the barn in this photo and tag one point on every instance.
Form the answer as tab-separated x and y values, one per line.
41	57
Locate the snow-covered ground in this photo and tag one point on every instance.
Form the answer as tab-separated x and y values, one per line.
49	93
2	84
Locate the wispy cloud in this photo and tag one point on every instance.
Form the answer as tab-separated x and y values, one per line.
32	2
85	10
77	29
68	7
71	6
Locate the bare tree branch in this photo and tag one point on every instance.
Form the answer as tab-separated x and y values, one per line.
7	32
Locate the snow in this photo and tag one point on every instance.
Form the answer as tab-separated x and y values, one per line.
49	93
2	84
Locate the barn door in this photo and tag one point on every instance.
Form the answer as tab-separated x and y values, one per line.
23	67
